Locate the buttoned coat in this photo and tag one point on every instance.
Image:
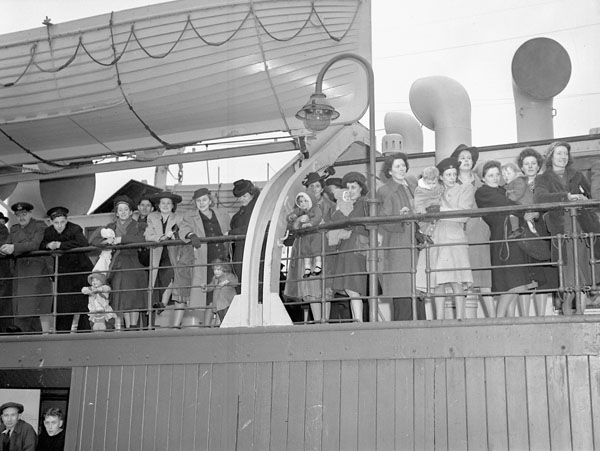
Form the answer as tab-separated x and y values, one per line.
192	224
28	239
23	437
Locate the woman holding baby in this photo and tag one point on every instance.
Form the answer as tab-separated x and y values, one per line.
446	264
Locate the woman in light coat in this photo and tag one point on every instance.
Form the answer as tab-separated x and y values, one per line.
204	221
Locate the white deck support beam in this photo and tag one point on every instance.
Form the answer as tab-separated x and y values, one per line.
245	310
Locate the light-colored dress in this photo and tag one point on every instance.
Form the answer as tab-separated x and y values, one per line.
448	264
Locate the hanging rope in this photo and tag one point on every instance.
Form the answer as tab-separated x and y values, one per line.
188	24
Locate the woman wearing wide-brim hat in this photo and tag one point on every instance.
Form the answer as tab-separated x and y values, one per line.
247	195
169	279
127	277
204	221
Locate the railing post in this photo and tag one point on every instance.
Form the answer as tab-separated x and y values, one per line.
575	240
150	292
54	295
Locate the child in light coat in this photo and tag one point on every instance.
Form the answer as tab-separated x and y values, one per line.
98	304
307	213
428	197
222	285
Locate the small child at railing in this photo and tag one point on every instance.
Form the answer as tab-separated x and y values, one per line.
100	309
517	190
428	197
222	285
307	213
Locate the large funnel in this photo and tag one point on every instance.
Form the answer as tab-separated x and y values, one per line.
442	105
408	129
541	68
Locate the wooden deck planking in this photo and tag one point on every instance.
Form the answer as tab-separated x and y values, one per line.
151	406
102	400
313	419
440	406
457	409
475	399
580	403
424	404
595	398
331	404
296	406
76	397
349	406
224	405
86	438
385	401
404	408
516	403
262	406
279	406
367	404
138	410
558	403
190	407
176	405
246	427
203	401
537	403
497	426
163	407
113	411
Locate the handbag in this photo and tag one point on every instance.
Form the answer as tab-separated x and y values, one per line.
422	239
528	241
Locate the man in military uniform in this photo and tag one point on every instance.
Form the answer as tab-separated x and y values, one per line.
32	288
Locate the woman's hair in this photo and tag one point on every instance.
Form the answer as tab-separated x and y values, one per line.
389	162
529	152
54	412
489	165
511	166
552	148
223	264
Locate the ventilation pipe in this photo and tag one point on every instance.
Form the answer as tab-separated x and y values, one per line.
541	68
442	105
403	134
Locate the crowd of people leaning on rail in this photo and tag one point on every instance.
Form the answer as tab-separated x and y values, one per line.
460	257
478	258
113	292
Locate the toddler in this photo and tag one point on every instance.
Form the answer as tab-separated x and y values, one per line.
222	285
428	197
307	213
100	309
517	190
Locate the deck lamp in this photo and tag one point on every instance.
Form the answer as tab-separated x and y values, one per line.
317	114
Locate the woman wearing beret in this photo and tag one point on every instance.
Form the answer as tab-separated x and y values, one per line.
560	182
504	254
477	230
350	271
204	221
127	276
396	198
32	291
449	265
164	225
247	194
63	235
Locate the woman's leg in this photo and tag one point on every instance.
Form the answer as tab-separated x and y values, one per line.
439	301
524	304
488	302
75	323
504	304
46	321
356	304
179	312
459	299
540	300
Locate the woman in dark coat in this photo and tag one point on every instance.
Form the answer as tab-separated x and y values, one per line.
127	276
510	280
350	271
247	194
560	182
64	235
530	162
396	198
